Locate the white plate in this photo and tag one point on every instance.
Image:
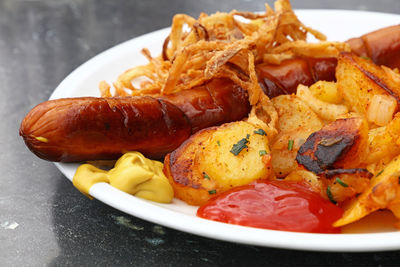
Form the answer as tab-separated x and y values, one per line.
337	25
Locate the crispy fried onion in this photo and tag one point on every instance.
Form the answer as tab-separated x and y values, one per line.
223	45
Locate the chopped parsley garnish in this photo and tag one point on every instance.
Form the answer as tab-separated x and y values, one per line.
212	192
290	145
339	181
218	143
329	194
260	132
379	173
262	152
205	175
239	146
247	136
364	57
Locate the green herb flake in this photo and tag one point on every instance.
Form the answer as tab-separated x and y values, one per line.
247	136
365	57
239	146
329	194
212	192
290	145
260	132
205	175
379	173
262	152
218	143
339	181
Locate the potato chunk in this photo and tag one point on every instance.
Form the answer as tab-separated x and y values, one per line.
327	92
326	111
340	144
216	159
294	113
383	192
360	79
296	122
231	168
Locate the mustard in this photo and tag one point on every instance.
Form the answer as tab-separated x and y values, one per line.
132	173
42	139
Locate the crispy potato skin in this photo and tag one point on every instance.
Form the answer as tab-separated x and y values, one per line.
180	167
340	144
88	128
382	192
359	80
203	166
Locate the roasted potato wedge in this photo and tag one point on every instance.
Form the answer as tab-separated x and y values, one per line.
382	142
359	79
383	192
338	145
216	159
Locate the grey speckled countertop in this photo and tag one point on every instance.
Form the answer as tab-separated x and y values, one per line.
44	220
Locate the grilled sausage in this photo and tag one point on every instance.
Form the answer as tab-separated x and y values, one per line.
283	79
382	46
90	128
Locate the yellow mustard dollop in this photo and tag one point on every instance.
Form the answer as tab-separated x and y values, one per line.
132	173
42	139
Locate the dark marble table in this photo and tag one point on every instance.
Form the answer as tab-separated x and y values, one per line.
44	220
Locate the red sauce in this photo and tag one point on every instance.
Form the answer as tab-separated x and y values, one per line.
277	205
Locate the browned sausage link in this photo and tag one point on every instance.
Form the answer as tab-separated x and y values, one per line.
382	46
284	78
89	128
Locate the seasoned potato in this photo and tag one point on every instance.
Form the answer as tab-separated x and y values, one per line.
284	150
360	79
217	159
228	165
327	92
307	177
343	184
340	144
296	122
294	113
383	192
382	142
324	110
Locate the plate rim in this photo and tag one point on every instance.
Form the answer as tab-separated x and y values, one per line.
277	239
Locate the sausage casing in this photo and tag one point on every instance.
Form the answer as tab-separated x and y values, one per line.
88	128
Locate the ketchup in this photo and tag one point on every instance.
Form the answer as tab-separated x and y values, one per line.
277	205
